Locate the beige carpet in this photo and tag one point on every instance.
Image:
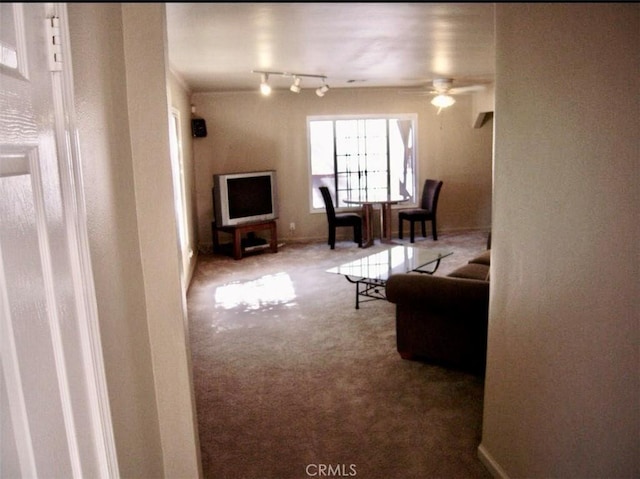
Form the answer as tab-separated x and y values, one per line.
291	381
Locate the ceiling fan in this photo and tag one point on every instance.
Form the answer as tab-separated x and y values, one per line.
444	90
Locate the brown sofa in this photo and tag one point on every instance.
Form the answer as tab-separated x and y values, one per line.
443	319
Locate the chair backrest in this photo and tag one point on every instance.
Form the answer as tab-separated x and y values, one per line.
328	203
430	195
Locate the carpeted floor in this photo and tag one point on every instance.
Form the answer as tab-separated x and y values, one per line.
291	381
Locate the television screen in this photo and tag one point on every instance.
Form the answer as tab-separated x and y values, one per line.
249	196
245	197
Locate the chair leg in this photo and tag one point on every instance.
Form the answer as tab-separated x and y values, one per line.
434	231
412	231
400	228
332	237
424	228
357	234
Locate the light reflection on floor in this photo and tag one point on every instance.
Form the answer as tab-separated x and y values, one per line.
264	292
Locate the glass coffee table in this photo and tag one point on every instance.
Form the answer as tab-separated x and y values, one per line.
370	273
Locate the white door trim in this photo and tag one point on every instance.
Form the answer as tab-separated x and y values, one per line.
76	222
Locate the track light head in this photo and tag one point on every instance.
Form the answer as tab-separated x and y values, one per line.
295	87
322	90
265	89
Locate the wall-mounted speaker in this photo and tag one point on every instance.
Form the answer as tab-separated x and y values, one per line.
198	128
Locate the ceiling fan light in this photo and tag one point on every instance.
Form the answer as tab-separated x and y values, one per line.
443	101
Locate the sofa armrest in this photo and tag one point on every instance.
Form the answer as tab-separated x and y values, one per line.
442	293
441	319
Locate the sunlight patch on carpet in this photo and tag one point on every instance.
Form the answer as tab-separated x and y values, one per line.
268	290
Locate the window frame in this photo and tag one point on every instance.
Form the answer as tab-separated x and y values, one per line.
179	191
413	117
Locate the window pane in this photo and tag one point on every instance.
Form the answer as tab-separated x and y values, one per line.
322	163
402	158
321	138
373	156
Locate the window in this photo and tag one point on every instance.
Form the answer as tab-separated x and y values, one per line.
179	196
361	157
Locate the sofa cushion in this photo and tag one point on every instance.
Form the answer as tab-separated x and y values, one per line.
471	271
484	258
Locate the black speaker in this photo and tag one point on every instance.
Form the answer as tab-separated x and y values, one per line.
198	128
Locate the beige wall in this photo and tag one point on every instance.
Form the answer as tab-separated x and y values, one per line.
100	94
144	29
122	107
562	386
249	132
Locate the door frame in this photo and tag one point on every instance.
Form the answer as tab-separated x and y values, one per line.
69	158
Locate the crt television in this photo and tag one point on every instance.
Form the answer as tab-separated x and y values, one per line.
245	197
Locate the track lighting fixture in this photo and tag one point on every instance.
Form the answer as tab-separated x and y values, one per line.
265	89
295	87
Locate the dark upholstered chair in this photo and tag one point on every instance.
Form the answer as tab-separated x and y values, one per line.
335	220
426	212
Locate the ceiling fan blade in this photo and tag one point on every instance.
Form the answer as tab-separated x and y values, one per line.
420	92
467	89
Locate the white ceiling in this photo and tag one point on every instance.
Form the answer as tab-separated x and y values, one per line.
216	46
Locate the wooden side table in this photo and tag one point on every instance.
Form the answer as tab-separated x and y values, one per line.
238	230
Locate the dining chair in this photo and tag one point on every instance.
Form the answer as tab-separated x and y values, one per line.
335	220
426	212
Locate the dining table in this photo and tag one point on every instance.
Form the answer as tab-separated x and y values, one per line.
368	204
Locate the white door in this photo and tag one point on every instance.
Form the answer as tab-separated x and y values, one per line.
55	419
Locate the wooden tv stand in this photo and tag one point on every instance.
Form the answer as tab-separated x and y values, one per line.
238	230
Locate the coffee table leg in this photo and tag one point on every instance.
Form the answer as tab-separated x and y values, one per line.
357	283
370	289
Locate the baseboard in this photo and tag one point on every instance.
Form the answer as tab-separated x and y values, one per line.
490	463
207	248
464	229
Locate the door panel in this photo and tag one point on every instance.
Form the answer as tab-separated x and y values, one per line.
51	426
30	363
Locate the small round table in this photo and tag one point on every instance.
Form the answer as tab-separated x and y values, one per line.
385	217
